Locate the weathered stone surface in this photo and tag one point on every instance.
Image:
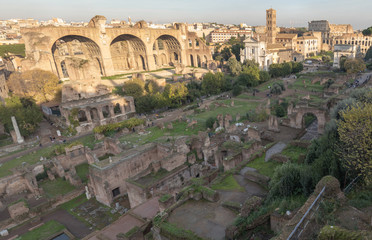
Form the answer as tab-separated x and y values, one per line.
18	211
250	204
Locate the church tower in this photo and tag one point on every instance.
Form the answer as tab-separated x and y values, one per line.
270	25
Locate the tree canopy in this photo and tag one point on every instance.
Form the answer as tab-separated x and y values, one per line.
38	84
26	112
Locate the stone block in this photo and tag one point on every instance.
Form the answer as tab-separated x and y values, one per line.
18	211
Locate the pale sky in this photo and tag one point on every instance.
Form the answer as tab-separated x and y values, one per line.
289	13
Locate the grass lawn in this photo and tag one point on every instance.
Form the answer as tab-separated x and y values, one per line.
44	232
82	171
5	142
102	219
179	129
229	184
299	85
32	158
56	187
264	86
68	206
264	168
248	96
293	152
18	49
241	107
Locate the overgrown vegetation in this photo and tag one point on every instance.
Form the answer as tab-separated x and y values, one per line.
17	49
44	232
114	127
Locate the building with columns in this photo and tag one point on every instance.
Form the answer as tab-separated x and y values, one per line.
86	105
255	49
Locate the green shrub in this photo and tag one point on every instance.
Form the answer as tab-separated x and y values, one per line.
334	232
292	179
210	121
109	128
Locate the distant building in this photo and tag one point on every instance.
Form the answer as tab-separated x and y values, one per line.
307	45
224	35
256	50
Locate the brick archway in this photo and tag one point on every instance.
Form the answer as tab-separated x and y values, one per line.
297	114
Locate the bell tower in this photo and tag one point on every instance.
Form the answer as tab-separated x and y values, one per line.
270	25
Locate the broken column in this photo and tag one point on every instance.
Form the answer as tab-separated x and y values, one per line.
16	129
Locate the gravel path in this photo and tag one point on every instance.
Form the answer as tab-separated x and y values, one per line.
277	148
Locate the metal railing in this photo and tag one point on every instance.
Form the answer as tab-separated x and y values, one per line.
297	231
351	185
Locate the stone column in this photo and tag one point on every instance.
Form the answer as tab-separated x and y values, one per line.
20	139
111	110
132	107
87	114
122	108
100	114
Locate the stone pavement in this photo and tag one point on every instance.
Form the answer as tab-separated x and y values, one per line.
277	148
147	210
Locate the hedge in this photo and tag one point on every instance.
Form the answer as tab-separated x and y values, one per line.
130	123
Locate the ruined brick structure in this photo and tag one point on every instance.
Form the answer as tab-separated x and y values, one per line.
78	53
108	177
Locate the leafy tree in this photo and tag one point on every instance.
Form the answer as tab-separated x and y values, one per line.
38	84
176	94
297	67
355	132
194	89
277	88
368	54
235	49
26	112
234	66
237	90
132	89
367	32
226	53
248	80
152	87
213	83
210	121
253	70
354	65
264	76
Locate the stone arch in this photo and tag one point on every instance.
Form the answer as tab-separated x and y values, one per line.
127	53
205	62
192	60
198	60
297	119
170	46
82	117
94	114
72	49
117	109
106	111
